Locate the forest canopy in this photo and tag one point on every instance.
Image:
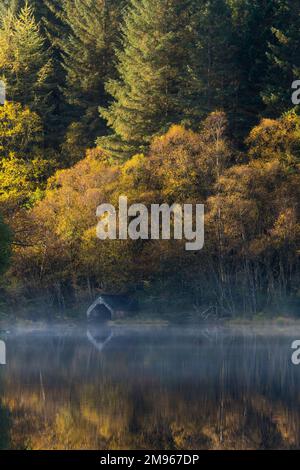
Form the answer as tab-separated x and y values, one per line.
185	101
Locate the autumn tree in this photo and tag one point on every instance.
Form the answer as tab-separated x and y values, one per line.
24	168
277	139
20	130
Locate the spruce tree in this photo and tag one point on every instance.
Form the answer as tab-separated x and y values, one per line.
155	85
214	56
283	58
25	63
88	61
252	32
56	32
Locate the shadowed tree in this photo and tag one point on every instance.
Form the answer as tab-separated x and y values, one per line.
88	61
155	85
283	58
5	244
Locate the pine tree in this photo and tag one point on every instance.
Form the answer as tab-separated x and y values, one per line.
39	6
25	63
155	85
214	57
56	32
283	58
88	60
252	23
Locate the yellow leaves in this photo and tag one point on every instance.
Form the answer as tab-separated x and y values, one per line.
136	162
249	206
276	139
185	163
66	217
134	173
176	132
22	171
19	127
255	208
174	159
13	176
248	180
72	196
286	227
176	135
6	34
19	179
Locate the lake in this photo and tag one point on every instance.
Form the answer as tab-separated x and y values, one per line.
102	387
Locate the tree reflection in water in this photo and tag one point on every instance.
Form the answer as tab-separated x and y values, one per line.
152	388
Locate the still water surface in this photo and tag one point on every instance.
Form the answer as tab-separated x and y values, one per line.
150	388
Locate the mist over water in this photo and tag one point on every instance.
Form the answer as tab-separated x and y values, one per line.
101	387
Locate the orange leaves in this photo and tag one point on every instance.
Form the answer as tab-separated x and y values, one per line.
277	140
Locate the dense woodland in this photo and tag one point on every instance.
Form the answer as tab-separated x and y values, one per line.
163	101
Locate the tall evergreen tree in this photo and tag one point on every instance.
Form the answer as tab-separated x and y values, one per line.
252	23
56	32
25	63
155	85
283	57
214	56
88	60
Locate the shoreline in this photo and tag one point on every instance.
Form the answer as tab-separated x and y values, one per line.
8	322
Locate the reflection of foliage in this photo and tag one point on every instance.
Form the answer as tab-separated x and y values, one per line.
128	419
155	388
4	428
